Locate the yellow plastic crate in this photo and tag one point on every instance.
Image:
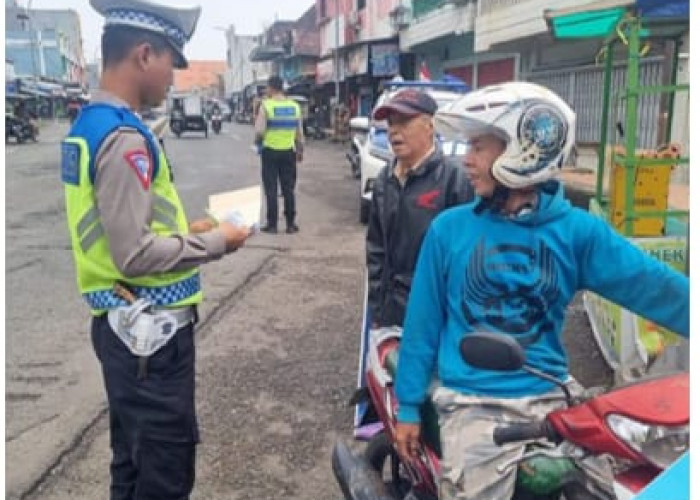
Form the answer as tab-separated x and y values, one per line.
651	185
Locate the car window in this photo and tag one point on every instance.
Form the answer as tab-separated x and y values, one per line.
444	102
455	148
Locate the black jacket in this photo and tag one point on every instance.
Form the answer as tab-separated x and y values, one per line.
399	218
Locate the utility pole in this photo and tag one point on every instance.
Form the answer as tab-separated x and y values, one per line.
336	62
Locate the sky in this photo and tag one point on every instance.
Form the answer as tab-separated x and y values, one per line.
209	42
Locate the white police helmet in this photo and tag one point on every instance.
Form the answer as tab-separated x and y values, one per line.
537	126
175	24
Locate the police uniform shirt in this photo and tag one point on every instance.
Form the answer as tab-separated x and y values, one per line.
126	204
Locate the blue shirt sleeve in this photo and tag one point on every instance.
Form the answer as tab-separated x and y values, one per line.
425	318
614	268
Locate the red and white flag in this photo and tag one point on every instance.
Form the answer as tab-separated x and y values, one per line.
424	75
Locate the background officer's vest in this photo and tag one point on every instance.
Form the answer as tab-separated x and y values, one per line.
283	116
96	270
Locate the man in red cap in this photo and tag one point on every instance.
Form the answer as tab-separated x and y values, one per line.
407	195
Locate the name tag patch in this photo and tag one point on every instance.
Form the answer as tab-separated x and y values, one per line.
70	163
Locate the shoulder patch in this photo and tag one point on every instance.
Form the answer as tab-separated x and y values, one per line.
140	162
70	163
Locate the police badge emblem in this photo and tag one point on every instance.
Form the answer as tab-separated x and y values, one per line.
140	162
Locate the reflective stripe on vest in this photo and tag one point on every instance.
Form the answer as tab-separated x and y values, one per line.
89	229
283	117
165	213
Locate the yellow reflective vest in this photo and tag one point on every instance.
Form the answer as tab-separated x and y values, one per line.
283	117
95	268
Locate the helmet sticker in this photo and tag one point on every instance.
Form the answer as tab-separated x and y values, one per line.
544	126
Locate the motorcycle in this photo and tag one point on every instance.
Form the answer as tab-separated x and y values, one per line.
216	122
21	129
312	126
359	126
643	428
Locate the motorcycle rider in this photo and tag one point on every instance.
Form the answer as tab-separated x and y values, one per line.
511	262
216	117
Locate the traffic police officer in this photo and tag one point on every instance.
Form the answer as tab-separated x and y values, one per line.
279	129
127	226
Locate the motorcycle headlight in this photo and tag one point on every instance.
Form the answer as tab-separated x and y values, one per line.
659	444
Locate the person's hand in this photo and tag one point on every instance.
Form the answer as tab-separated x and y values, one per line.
300	157
202	225
235	235
407	436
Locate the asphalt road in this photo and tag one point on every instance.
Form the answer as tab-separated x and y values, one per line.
277	344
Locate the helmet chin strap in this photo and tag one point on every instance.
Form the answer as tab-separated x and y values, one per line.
496	202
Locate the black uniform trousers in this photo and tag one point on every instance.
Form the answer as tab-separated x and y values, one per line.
282	165
153	427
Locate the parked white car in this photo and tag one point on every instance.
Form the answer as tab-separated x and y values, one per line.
372	149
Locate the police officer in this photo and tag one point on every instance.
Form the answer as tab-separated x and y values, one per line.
127	225
278	128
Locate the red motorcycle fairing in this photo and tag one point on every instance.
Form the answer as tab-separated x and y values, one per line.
663	401
426	468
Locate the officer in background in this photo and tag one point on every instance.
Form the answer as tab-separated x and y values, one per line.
279	130
127	226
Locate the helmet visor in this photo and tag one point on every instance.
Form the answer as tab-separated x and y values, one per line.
458	127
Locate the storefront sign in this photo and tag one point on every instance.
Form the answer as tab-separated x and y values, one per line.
358	61
385	59
324	71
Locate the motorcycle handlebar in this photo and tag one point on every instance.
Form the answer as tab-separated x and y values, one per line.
522	432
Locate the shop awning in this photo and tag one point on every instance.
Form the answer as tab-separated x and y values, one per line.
587	24
599	19
52	89
15	96
266	53
34	92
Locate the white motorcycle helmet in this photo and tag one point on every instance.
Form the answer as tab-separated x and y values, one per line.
537	126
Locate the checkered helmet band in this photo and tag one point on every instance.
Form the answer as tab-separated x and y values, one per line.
147	21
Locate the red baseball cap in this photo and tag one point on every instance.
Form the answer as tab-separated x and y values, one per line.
407	102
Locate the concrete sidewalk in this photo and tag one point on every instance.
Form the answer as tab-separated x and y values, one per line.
585	181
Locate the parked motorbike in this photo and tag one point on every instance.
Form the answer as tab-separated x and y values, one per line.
359	127
216	122
643	427
22	129
312	127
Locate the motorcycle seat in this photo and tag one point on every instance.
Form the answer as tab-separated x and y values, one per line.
430	426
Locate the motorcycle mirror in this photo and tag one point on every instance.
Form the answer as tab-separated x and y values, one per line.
492	351
500	352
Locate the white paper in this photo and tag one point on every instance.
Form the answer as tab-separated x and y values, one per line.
240	207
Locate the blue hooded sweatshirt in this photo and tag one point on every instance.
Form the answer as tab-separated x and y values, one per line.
517	275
